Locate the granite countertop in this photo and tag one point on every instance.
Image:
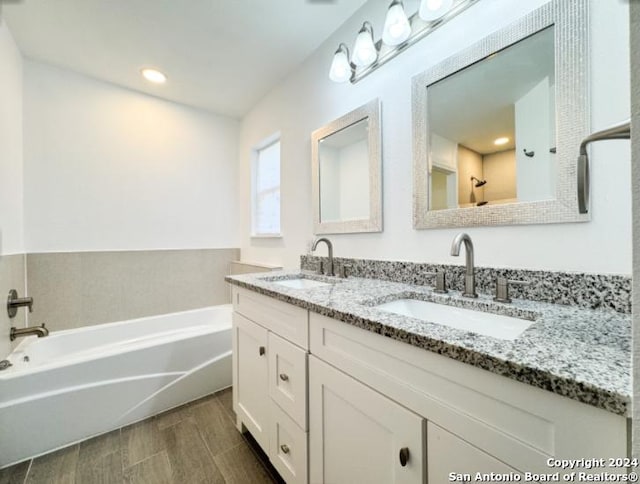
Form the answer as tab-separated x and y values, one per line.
583	354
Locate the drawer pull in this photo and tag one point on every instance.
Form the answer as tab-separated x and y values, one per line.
404	456
261	350
284	448
284	377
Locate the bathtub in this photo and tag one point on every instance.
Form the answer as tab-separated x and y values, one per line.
79	383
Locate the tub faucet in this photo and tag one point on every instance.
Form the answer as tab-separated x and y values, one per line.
470	275
40	331
330	271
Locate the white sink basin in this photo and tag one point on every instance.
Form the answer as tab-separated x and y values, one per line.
301	283
488	324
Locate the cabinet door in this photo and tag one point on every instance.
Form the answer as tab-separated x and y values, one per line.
250	377
358	435
447	454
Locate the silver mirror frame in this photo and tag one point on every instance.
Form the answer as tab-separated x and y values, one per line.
371	110
571	21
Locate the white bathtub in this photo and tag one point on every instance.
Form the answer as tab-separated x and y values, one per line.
83	382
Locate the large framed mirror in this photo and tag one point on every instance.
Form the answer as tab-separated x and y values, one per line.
497	127
346	167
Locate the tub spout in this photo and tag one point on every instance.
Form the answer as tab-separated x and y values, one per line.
39	331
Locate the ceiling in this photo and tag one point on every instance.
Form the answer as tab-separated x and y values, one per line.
219	55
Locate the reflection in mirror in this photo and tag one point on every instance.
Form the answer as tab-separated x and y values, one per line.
492	128
344	174
346	168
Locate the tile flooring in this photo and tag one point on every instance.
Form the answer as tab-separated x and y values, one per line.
196	443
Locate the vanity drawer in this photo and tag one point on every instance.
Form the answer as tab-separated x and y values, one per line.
286	320
288	378
287	447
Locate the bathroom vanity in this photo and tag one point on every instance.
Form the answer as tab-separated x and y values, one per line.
336	388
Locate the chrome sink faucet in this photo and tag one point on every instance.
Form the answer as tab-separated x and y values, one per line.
330	271
470	275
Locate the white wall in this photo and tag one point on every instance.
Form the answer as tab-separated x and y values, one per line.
11	213
533	133
107	168
307	99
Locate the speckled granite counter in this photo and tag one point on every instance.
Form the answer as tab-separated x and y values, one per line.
579	353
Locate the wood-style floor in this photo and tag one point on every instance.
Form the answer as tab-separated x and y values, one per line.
196	443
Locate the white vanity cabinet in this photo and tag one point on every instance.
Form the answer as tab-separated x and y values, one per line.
358	435
363	405
270	353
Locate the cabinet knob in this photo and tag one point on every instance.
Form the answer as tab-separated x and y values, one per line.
284	377
284	448
404	456
261	350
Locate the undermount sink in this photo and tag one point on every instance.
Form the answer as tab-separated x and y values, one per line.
301	283
488	324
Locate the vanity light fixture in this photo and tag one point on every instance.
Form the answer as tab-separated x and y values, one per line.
154	75
365	52
396	25
501	141
434	9
398	34
340	67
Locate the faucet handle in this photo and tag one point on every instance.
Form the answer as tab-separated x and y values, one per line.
502	288
441	281
344	270
320	267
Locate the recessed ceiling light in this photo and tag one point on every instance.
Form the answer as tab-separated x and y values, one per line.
501	141
155	76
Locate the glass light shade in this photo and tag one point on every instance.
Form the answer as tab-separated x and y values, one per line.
364	50
396	25
340	69
434	9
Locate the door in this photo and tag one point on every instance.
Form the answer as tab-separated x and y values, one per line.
451	458
358	435
250	379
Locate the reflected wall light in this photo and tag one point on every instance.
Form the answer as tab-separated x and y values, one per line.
399	33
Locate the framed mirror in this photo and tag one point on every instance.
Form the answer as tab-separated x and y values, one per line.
346	167
497	127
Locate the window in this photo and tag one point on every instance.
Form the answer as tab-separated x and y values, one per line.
266	189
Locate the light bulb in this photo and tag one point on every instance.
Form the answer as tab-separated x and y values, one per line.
434	9
155	76
364	50
340	68
501	141
396	25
